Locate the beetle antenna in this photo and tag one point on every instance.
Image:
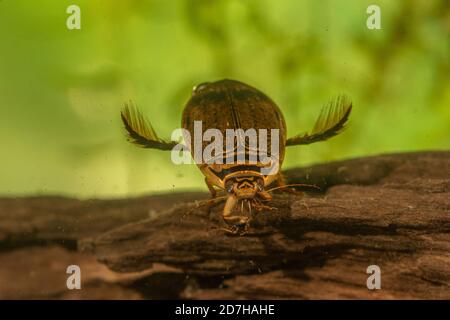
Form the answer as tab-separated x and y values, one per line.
295	185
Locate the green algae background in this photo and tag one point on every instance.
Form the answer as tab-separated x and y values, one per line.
61	90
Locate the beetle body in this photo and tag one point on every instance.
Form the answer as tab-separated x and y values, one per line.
230	104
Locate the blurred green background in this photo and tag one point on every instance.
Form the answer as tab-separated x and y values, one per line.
61	91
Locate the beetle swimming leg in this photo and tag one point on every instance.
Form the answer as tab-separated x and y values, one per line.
330	122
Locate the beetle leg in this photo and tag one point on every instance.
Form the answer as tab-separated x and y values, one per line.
236	230
259	206
331	122
264	195
208	204
229	206
140	130
228	210
212	203
213	193
211	188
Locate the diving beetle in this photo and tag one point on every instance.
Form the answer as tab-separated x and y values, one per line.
230	104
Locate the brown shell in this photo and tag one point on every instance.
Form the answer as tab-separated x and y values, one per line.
230	104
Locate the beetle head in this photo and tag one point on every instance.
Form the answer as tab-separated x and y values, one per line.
244	186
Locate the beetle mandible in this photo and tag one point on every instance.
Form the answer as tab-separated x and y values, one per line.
230	104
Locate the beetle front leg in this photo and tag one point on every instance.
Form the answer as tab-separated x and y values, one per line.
211	188
265	196
227	215
228	209
213	193
237	225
